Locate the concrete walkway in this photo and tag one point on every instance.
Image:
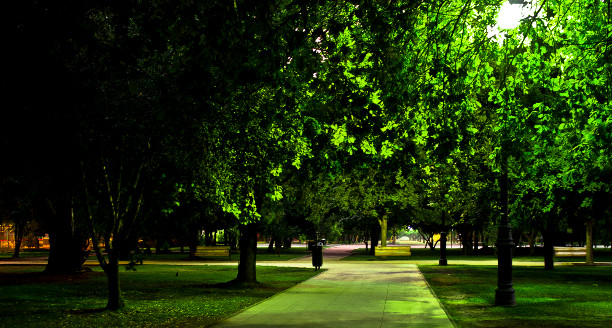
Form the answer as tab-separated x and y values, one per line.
349	294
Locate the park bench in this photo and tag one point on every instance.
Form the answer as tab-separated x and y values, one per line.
213	251
570	251
384	251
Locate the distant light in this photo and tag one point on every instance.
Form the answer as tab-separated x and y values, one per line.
509	15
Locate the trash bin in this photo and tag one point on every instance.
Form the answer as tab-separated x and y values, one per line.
324	242
317	256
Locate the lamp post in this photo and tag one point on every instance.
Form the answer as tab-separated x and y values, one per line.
504	294
317	252
442	261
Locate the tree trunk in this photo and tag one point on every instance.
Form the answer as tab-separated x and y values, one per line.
288	242
208	238
549	252
278	246
65	243
589	242
428	239
374	232
19	228
271	246
127	249
232	239
383	229
531	237
475	242
192	251
193	240
467	241
115	300
248	251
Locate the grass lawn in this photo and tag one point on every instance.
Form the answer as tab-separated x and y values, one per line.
262	255
424	256
156	295
568	296
284	255
7	254
421	256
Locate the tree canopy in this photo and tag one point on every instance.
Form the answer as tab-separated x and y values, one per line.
125	114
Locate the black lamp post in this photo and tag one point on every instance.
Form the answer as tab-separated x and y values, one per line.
317	252
442	261
504	294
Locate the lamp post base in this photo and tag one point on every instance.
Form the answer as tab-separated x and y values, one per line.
505	297
442	261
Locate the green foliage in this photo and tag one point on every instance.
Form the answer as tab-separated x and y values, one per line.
555	92
170	115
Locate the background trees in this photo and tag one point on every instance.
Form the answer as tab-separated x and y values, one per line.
166	114
558	99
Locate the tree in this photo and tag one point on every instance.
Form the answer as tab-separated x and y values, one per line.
391	111
39	134
16	208
559	103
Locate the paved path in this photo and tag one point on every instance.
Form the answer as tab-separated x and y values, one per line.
349	294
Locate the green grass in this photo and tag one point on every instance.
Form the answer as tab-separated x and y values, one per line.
156	295
262	255
5	254
423	256
285	254
568	296
420	256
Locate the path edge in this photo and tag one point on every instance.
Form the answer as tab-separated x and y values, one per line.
437	299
